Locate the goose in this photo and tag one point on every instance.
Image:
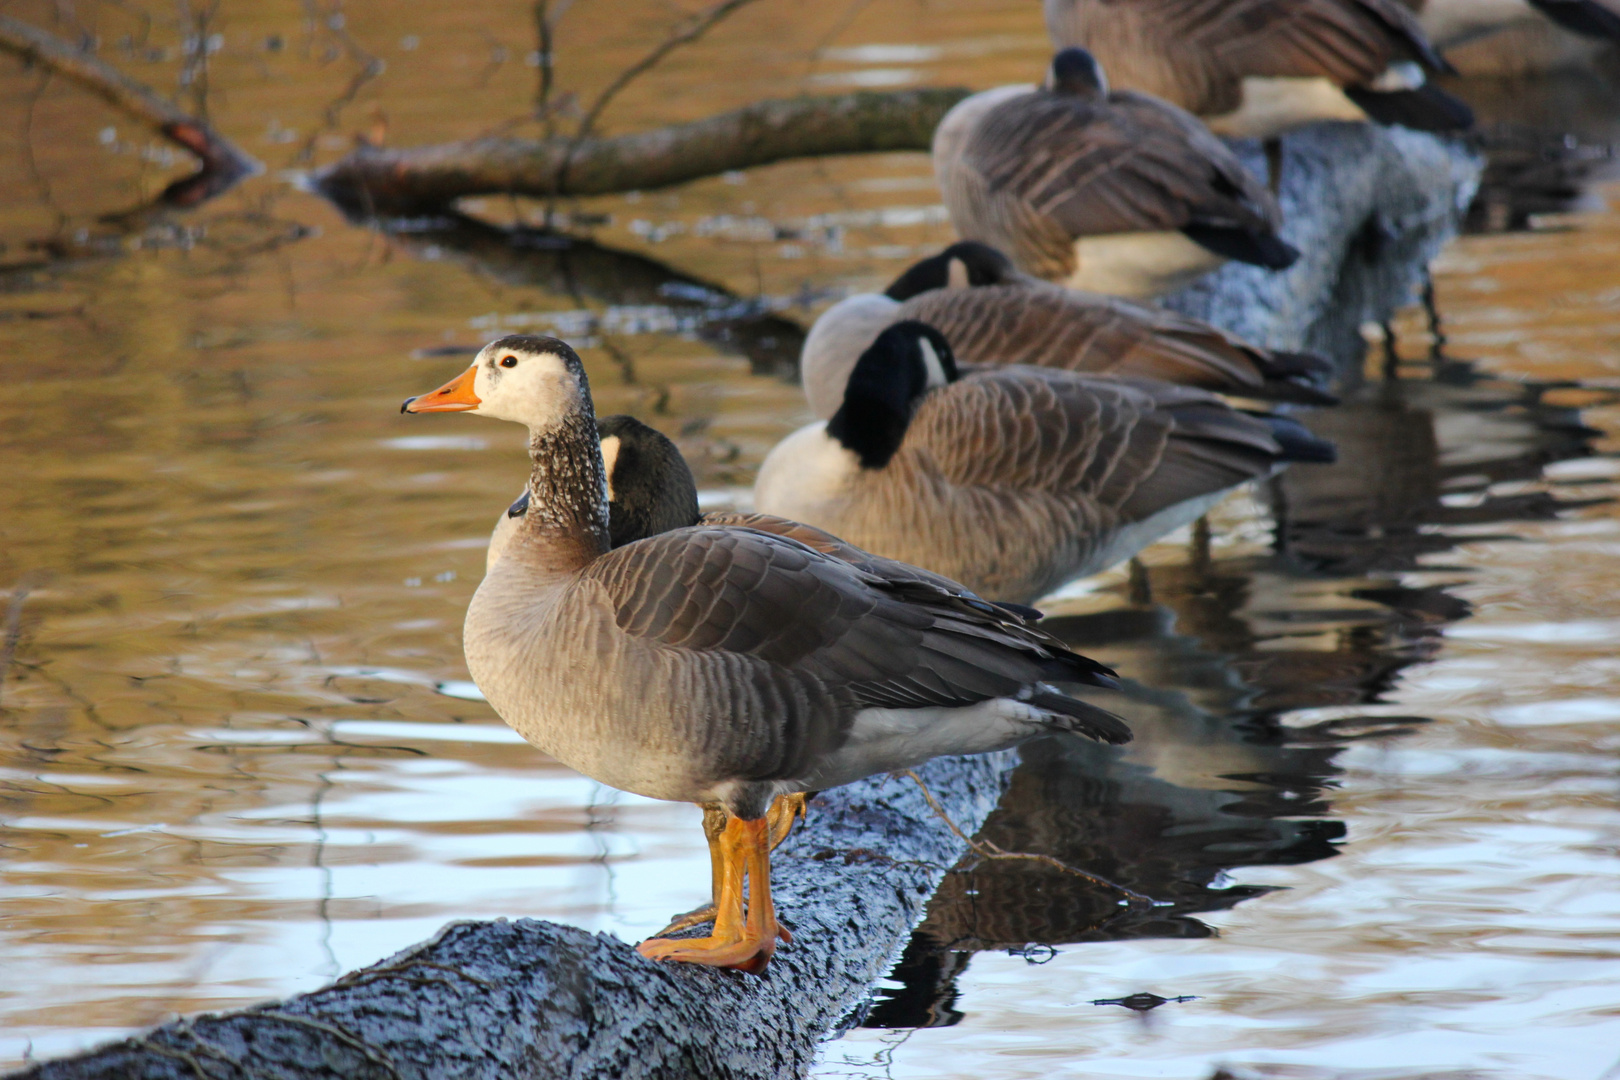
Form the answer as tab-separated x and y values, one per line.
724	666
1014	480
1258	68
1450	23
1112	192
992	315
651	490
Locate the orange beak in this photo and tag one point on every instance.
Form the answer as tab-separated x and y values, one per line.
454	396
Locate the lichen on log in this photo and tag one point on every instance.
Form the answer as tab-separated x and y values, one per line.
422	179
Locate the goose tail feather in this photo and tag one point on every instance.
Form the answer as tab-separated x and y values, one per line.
1428	108
1081	718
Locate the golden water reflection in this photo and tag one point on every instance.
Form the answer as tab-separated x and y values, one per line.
232	761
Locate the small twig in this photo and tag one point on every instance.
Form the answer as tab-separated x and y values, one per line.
988	850
695	27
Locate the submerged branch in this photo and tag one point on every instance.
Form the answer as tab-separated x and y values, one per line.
427	178
223	164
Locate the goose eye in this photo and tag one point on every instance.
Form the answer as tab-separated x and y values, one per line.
508	361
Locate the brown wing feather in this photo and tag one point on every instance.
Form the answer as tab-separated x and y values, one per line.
1131	447
1049	326
797	618
1195	53
1130	164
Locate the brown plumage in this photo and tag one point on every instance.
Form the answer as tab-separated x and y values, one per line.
1032	173
725	666
1197	53
1003	317
1014	480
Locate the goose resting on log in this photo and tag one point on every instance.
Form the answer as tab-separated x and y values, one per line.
1014	480
728	667
1109	191
994	316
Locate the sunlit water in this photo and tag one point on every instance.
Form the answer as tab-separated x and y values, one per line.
1374	779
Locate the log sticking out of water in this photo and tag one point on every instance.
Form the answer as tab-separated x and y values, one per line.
376	181
223	164
534	999
1368	208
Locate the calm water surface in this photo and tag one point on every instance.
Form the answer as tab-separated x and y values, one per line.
1374	780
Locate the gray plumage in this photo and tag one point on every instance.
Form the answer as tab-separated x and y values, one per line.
724	665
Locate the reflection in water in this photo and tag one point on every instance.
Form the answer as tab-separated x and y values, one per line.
643	294
1230	666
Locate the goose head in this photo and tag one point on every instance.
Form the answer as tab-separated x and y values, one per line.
888	382
650	487
538	382
963	265
1076	73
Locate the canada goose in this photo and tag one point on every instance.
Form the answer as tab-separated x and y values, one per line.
1115	192
1450	23
1260	67
1014	480
725	666
993	316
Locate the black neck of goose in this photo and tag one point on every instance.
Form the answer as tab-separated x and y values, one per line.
1076	73
567	517
884	389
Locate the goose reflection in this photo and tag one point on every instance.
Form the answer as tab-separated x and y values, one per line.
1220	659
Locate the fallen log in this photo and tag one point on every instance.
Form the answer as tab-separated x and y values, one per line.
373	181
222	162
1368	208
519	999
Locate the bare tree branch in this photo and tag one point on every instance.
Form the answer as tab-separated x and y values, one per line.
690	31
223	164
427	178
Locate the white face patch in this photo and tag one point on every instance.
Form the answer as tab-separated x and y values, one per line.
610	454
537	390
956	275
931	361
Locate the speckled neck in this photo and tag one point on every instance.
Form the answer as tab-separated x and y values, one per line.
566	525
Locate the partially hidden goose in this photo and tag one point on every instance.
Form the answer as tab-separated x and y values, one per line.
1260	67
1111	191
651	490
725	666
1018	479
1450	23
992	315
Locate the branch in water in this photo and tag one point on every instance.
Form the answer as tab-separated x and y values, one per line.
223	164
427	178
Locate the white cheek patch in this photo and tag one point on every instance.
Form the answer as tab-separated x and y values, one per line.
931	361
956	275
1402	75
610	454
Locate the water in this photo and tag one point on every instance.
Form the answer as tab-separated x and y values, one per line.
1374	779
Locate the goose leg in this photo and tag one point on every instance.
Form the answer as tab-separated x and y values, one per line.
1273	149
714	823
745	931
781	816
